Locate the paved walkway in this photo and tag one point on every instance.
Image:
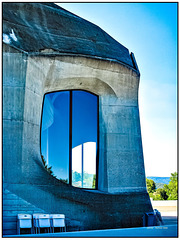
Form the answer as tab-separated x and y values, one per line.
157	231
170	220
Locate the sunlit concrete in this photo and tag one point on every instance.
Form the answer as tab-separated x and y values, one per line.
38	63
119	123
167	208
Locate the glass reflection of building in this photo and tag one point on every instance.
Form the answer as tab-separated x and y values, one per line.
69	136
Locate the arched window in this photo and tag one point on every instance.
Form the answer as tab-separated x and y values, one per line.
69	136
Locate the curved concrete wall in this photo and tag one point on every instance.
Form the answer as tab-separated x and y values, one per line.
121	159
26	78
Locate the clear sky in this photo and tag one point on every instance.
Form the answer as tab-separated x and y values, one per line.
149	30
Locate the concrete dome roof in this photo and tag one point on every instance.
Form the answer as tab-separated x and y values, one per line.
45	27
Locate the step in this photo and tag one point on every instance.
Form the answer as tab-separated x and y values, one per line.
12	206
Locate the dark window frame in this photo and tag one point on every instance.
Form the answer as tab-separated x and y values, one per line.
70	134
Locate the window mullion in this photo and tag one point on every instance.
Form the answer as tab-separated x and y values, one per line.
82	164
70	140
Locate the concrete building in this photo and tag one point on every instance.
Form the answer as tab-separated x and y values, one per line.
48	49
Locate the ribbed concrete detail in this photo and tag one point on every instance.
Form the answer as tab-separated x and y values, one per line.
13	205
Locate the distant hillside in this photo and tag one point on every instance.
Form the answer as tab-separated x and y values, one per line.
160	181
164	180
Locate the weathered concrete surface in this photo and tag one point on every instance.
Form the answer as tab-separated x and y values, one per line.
121	167
13	205
46	27
121	198
13	110
120	136
86	209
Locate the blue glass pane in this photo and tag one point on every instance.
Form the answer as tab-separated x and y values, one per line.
84	139
55	133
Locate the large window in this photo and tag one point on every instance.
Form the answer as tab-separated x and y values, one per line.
69	137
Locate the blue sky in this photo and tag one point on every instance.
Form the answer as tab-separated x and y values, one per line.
149	30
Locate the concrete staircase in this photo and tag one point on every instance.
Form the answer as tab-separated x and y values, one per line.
13	205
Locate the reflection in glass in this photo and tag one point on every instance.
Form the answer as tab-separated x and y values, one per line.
89	157
77	166
69	119
84	134
55	133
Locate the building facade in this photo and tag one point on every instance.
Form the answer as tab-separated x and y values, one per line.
48	50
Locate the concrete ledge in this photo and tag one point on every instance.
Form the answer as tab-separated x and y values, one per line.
166	207
157	231
172	203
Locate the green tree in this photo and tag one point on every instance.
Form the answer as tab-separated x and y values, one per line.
151	186
76	177
172	188
49	169
160	194
94	181
168	192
